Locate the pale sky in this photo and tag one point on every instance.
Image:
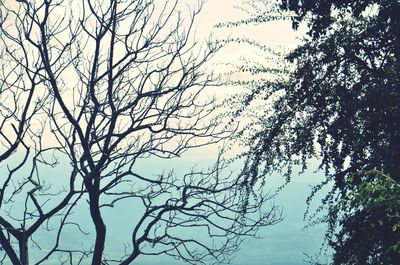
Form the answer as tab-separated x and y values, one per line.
277	35
284	243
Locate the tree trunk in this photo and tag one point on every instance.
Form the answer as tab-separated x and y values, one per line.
100	229
23	250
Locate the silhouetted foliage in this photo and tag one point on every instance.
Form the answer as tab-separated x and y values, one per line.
338	102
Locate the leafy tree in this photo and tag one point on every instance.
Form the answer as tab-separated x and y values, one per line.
338	102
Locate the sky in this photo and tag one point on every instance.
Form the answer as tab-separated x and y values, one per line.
286	242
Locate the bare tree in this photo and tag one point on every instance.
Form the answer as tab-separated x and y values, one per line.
22	97
114	82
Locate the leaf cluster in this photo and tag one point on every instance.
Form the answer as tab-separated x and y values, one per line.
369	221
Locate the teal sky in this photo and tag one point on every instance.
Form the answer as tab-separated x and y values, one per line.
281	244
285	243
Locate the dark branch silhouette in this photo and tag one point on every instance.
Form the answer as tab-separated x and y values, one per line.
103	85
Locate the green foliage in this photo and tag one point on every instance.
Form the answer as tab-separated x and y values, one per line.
364	225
